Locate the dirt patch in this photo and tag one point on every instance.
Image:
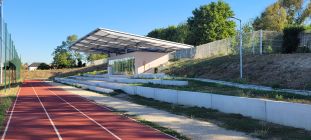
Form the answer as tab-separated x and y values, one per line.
276	70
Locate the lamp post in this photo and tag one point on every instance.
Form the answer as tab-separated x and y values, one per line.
241	47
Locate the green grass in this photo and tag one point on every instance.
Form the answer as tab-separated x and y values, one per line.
97	72
6	99
163	129
253	127
214	88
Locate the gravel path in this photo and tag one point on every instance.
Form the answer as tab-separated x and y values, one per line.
195	129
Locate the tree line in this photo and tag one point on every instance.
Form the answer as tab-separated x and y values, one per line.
211	22
208	23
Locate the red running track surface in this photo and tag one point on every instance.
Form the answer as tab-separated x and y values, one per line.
43	111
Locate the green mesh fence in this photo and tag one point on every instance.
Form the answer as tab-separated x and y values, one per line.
11	62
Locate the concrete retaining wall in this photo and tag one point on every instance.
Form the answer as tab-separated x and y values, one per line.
195	99
289	114
132	81
145	92
285	113
166	95
250	107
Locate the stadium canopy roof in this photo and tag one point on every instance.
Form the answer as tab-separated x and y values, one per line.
110	41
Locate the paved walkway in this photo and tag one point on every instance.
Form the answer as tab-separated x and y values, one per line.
197	130
43	111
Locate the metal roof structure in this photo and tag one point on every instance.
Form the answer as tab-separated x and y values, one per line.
110	41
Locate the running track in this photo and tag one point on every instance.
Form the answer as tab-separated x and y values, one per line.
46	112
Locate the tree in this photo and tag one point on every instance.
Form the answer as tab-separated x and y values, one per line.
273	18
62	56
171	33
291	38
63	60
210	22
43	66
296	13
93	57
283	13
78	57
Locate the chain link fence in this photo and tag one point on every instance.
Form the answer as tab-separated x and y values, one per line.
257	42
10	60
305	40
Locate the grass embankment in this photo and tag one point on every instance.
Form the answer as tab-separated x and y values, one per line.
214	88
275	70
49	74
6	99
253	127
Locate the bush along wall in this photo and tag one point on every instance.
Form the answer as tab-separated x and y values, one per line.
291	38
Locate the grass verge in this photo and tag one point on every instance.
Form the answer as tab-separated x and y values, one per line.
6	99
163	129
199	86
253	127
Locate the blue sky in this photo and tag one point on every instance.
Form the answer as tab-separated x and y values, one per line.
38	26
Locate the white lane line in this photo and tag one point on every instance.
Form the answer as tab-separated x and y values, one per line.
87	116
12	111
47	114
103	106
124	115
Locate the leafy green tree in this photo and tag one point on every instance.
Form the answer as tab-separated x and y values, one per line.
210	22
63	60
171	33
273	18
93	57
62	56
283	13
78	57
296	13
43	66
291	38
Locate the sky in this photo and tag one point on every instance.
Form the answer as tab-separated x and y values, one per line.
38	26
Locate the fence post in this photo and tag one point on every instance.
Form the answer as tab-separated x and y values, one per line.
5	54
252	42
260	42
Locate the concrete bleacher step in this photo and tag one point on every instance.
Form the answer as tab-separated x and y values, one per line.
84	85
133	81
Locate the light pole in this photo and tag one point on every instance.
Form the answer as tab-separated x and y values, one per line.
241	48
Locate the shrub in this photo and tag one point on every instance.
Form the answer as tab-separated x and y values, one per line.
43	66
303	50
290	38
